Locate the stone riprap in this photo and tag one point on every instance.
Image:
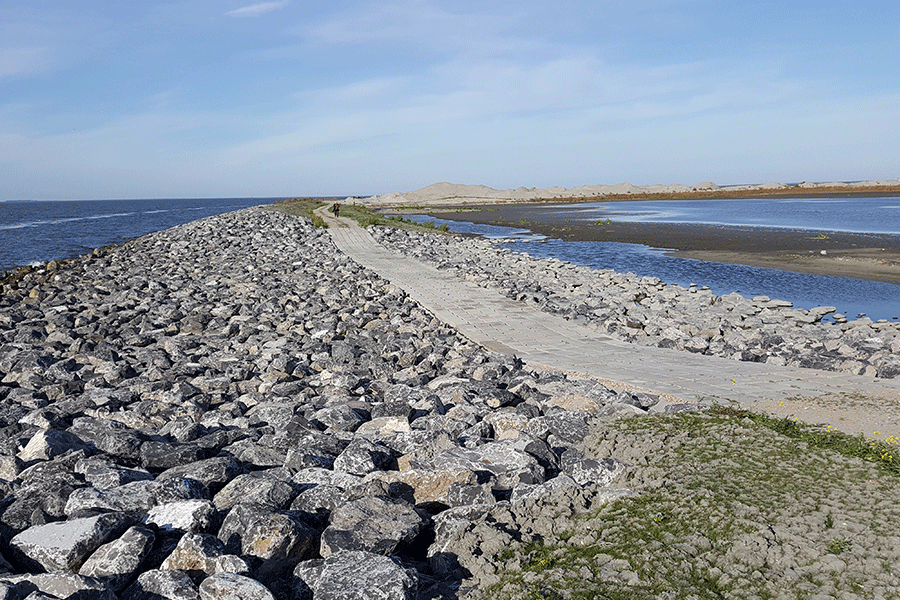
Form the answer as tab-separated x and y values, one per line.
647	311
234	409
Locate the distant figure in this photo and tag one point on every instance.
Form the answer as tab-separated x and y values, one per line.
336	209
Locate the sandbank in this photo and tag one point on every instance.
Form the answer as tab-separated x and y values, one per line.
874	257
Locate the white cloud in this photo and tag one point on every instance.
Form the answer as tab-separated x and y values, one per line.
255	10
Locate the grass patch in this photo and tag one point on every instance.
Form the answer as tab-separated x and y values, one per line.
302	207
366	217
884	453
729	504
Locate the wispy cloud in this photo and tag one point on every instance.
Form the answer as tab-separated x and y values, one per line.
255	10
23	61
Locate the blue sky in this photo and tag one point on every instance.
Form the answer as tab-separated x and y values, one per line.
231	98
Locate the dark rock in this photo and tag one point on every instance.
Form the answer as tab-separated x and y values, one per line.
372	524
160	584
117	563
362	456
161	456
354	575
232	586
213	473
277	539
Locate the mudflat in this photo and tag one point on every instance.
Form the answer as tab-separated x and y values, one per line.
874	257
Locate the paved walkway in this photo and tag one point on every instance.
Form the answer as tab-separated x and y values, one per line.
542	339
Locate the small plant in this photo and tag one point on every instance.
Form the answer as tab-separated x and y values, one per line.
822	236
838	546
829	521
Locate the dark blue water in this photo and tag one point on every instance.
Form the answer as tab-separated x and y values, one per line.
853	215
48	230
851	297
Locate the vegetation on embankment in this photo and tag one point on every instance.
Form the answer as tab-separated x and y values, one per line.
727	504
304	207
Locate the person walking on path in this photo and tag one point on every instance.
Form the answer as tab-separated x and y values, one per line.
336	209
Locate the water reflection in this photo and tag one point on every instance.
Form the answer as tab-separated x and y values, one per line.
851	297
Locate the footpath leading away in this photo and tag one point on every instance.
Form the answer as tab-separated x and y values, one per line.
854	404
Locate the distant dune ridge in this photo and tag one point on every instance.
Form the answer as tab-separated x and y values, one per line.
444	193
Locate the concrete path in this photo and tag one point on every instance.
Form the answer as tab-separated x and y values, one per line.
542	339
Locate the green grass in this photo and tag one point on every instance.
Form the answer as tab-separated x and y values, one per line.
885	454
302	207
717	479
366	217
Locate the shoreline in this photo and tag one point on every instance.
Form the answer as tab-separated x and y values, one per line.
874	257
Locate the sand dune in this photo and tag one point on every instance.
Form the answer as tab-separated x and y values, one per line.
450	193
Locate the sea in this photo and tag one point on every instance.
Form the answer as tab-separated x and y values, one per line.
851	297
34	232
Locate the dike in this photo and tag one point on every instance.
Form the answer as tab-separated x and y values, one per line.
232	408
647	311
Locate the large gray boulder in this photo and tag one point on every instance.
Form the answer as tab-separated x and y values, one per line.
279	540
64	546
119	561
256	488
354	575
53	585
160	584
372	524
232	586
185	516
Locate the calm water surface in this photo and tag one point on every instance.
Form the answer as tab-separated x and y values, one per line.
850	296
853	215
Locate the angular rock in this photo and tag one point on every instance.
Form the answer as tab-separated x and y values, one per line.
64	546
112	437
213	473
161	455
184	516
423	486
49	443
157	584
200	555
277	539
136	497
231	586
103	474
354	575
362	457
508	463
54	585
118	562
372	524
256	488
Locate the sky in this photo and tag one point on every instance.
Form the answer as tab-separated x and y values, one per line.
234	98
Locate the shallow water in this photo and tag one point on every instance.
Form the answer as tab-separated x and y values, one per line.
854	215
851	297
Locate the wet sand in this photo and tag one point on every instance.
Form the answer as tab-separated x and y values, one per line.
865	256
